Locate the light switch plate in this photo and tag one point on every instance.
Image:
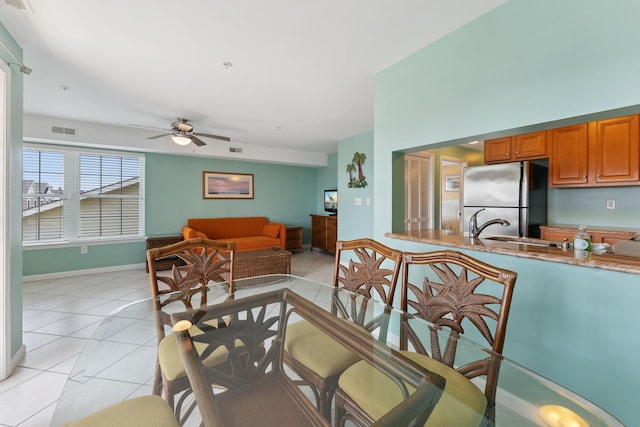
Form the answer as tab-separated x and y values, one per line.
611	204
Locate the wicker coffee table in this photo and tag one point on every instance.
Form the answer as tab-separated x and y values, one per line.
261	262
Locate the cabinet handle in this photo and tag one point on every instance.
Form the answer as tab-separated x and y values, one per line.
584	176
598	176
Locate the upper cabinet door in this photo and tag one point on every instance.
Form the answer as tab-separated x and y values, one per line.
617	148
531	145
497	150
568	156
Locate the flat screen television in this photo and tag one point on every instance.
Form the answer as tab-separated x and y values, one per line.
331	202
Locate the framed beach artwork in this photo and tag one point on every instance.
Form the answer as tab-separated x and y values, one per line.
223	185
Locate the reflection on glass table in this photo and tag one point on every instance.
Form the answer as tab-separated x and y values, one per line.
119	360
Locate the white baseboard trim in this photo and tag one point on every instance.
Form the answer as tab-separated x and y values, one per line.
47	276
16	359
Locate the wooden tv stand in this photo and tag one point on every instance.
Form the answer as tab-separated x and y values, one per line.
324	232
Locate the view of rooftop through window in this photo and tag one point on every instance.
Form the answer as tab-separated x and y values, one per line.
69	195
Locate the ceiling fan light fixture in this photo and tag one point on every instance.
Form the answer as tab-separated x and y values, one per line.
181	139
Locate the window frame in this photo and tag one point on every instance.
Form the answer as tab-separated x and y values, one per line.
71	198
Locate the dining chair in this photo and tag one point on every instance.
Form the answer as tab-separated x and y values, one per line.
365	267
261	392
185	288
455	294
143	411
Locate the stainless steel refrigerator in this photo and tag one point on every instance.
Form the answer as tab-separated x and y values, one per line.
516	192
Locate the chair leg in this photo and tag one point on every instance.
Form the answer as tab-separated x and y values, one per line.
339	410
157	381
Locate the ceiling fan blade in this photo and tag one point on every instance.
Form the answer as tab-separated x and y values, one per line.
208	135
158	136
197	141
148	127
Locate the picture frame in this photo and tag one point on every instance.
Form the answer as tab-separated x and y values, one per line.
452	183
225	185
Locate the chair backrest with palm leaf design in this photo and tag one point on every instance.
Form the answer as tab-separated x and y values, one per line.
184	288
368	268
454	291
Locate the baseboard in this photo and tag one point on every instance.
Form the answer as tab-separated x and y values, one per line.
35	277
15	360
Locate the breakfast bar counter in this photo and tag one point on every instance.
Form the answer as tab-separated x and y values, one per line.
457	240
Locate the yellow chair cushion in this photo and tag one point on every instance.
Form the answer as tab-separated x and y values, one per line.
151	411
316	350
171	360
462	403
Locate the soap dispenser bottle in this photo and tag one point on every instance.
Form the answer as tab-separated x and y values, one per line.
582	240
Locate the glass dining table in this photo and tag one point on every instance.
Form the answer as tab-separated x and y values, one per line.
119	360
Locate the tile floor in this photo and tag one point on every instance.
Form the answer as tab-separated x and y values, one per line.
61	314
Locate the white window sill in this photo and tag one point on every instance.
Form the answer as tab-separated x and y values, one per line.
79	243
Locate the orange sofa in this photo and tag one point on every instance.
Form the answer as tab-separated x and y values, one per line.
249	233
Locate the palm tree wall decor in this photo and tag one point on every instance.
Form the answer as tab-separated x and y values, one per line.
356	164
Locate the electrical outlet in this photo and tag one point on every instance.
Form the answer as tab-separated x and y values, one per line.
84	249
611	204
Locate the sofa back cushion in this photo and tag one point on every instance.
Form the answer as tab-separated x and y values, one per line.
271	230
190	233
225	228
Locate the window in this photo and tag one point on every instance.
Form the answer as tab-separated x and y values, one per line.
70	195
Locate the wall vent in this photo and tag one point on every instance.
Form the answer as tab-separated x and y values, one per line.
65	131
235	150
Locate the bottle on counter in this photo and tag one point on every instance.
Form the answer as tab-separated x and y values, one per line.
582	240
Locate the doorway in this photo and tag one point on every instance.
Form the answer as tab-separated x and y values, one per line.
451	183
418	191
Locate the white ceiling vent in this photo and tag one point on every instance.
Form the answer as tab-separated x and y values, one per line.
65	131
235	150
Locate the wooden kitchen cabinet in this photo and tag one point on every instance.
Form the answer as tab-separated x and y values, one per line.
568	156
324	232
600	153
617	151
558	233
527	146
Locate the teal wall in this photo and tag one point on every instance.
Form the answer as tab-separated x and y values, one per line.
14	197
520	65
355	221
173	193
327	180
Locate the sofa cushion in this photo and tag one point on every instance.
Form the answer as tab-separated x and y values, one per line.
254	243
271	230
200	235
188	233
228	228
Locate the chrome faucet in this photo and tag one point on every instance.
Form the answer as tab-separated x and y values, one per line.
474	230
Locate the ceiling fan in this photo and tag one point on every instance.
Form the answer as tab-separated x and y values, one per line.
182	133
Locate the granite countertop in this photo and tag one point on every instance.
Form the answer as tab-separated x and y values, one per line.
456	239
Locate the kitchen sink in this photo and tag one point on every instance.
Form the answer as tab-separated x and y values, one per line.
522	240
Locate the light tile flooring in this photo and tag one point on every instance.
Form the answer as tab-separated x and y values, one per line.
61	314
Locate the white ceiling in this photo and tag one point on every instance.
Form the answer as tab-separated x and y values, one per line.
302	73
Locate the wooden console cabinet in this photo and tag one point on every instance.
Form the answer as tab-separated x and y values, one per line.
324	232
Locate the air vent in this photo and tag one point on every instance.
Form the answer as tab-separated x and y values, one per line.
65	131
235	150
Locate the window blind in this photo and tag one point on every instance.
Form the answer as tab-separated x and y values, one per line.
71	195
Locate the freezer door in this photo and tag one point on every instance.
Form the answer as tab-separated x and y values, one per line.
492	185
513	215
